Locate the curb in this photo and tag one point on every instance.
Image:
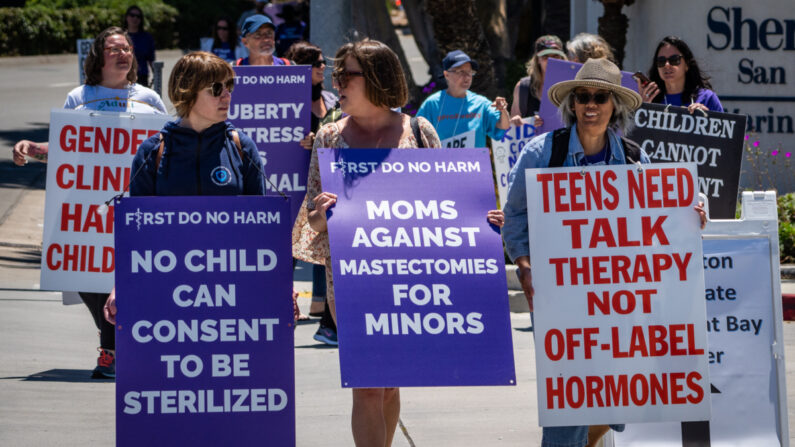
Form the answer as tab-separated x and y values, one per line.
22	61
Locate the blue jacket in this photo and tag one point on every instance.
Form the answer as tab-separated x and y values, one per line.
536	154
195	164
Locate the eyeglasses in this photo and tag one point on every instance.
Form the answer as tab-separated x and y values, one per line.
318	64
217	88
115	51
597	98
341	77
269	35
674	60
466	74
137	16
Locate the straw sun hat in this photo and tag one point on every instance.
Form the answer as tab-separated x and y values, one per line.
596	73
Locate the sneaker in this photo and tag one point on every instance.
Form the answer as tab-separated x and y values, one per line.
326	335
106	365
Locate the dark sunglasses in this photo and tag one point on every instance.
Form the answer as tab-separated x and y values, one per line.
342	76
674	60
585	97
217	88
318	64
222	28
137	16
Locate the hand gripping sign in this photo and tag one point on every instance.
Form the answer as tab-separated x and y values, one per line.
272	105
506	152
205	325
90	155
419	275
619	309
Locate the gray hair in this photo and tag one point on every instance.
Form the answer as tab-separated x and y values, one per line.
623	118
586	46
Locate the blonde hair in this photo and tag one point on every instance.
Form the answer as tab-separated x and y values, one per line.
193	72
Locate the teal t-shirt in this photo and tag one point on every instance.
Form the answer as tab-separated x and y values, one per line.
455	116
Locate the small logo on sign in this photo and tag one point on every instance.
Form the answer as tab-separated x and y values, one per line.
221	176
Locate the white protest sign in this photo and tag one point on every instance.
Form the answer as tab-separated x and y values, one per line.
464	139
743	299
619	323
506	152
83	48
90	155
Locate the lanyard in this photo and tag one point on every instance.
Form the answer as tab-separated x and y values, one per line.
458	117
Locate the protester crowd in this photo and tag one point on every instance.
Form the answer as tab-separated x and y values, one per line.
365	113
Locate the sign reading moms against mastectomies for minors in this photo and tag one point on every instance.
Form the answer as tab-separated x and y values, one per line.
619	289
419	273
205	324
713	140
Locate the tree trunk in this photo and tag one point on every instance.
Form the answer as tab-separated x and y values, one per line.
422	30
613	28
456	27
371	19
493	18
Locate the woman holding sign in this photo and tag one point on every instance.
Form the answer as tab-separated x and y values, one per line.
370	82
110	86
594	106
677	80
527	92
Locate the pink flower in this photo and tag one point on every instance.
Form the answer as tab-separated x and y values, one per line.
756	144
747	137
788	154
774	152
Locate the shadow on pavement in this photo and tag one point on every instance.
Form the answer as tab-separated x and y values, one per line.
32	175
39	133
524	329
317	345
60	375
20	258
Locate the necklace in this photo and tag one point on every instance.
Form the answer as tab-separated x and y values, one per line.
458	116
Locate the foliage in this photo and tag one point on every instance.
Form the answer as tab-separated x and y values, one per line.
196	17
45	29
765	164
786	227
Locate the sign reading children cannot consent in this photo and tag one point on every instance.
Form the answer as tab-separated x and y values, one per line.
89	162
272	106
419	274
714	141
205	324
619	327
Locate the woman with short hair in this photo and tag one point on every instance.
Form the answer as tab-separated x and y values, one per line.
676	78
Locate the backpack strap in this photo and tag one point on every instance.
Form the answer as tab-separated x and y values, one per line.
631	150
560	147
415	128
159	155
238	145
524	96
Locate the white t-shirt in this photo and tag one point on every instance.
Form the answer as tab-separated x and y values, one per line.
136	99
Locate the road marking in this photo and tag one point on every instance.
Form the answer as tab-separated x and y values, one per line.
63	84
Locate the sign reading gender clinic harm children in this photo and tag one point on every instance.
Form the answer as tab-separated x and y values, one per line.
272	106
713	140
506	152
89	161
419	274
205	325
619	309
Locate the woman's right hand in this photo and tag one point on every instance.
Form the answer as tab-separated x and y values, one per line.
110	307
27	148
516	120
648	91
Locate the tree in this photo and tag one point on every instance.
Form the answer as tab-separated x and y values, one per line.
613	26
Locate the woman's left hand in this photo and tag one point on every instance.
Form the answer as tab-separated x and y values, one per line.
500	104
308	141
496	217
110	307
696	106
702	215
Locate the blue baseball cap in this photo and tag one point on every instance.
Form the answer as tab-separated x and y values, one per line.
255	22
457	58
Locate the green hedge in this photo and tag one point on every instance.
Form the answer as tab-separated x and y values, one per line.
41	30
786	227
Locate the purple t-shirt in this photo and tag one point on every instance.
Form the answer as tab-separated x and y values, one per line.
703	96
276	61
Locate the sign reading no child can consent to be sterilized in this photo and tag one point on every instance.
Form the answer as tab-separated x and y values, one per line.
419	274
619	294
205	324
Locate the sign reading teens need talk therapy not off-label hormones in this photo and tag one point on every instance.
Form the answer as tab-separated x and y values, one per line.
272	106
90	155
619	286
205	323
419	274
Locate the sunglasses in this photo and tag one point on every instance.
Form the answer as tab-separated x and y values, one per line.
137	16
318	64
217	88
674	60
597	98
222	28
341	77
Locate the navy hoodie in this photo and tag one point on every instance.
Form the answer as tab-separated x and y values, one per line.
195	164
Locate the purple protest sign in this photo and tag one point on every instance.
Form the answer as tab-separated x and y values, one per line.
205	325
419	274
272	105
558	70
